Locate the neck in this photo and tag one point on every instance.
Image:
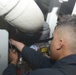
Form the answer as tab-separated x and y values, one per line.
65	53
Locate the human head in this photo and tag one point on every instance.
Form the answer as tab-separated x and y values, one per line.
64	38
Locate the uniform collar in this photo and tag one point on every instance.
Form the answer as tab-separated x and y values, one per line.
69	60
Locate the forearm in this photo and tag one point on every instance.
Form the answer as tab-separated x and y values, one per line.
17	44
10	70
20	46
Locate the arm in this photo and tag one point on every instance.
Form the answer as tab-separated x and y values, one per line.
35	58
11	69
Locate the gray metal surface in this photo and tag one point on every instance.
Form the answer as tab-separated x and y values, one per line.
3	50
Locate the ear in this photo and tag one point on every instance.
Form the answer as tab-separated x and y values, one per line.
60	45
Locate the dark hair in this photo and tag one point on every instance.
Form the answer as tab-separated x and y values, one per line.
67	20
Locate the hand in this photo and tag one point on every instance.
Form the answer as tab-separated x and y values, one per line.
13	57
17	44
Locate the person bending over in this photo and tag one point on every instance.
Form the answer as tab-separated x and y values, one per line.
62	50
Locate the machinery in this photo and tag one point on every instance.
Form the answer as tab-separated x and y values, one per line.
31	22
27	15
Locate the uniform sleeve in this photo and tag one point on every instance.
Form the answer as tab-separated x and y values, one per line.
35	58
10	70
